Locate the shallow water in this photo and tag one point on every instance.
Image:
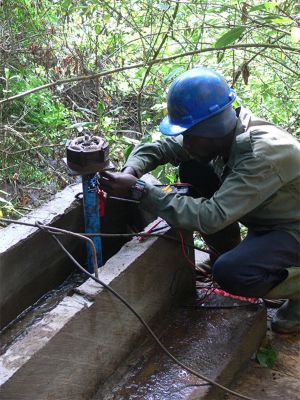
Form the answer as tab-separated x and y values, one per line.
19	326
200	338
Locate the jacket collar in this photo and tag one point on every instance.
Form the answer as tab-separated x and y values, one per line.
243	122
244	119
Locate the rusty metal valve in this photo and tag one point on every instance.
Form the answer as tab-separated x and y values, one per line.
88	154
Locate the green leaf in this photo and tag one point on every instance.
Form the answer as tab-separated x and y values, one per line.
266	356
278	20
100	108
171	74
162	6
220	56
128	150
295	34
263	6
282	20
98	28
6	73
81	125
2	200
230	36
65	4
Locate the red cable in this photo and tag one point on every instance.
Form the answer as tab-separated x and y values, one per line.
141	238
102	200
183	251
212	289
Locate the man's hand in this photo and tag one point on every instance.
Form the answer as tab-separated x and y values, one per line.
117	184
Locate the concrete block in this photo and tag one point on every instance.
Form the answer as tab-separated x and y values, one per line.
79	349
30	260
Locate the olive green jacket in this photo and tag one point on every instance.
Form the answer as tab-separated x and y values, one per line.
260	181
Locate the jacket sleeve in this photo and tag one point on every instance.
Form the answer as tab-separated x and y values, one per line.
147	157
248	185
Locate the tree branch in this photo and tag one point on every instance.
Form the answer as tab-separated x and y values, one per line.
142	64
155	55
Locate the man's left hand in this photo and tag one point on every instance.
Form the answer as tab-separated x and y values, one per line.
117	184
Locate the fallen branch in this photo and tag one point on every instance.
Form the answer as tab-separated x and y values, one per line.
144	64
30	149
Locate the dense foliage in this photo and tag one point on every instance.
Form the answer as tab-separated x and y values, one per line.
139	47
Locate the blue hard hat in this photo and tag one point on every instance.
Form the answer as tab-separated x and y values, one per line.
216	127
195	96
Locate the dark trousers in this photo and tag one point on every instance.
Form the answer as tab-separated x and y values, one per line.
251	267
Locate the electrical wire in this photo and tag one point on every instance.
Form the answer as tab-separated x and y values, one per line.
140	318
221	307
54	232
59	231
195	268
211	287
102	234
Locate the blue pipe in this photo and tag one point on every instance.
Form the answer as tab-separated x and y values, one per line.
92	217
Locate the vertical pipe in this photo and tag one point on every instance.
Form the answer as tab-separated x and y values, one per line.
92	217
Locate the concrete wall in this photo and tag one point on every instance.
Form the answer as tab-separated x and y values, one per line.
30	261
69	353
78	344
73	349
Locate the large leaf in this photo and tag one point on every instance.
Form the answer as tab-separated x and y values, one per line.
230	36
266	356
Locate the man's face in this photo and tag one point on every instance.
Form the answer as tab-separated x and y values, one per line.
201	148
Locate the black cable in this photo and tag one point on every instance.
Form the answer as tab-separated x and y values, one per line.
146	234
221	307
124	301
57	231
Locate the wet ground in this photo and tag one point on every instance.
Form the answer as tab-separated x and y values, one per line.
208	340
200	340
277	383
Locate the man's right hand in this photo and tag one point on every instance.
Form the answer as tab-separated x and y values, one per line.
117	183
